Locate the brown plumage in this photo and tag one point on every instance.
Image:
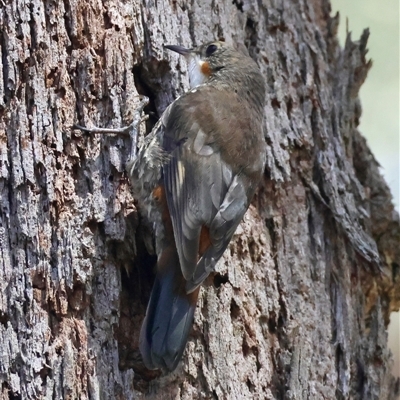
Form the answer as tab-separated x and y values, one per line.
194	178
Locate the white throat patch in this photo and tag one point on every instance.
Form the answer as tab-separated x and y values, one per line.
196	77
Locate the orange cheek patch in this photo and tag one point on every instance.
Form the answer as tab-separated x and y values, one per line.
205	68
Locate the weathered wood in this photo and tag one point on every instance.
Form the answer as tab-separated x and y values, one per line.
297	308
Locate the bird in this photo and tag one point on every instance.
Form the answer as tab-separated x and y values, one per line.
194	177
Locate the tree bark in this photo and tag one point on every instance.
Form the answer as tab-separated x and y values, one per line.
297	308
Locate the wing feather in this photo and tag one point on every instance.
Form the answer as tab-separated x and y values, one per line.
201	190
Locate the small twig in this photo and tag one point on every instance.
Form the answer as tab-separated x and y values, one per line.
106	131
132	129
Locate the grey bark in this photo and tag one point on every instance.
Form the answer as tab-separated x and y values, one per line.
296	309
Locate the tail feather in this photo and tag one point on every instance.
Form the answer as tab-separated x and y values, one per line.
168	320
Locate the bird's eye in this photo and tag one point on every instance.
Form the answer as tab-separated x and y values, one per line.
212	48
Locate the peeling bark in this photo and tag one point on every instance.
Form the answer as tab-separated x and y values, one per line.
299	304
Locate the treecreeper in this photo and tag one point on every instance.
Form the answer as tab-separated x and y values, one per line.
194	177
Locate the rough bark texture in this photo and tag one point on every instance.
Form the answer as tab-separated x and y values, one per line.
296	309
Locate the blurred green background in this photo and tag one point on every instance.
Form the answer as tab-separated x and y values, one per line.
380	92
380	98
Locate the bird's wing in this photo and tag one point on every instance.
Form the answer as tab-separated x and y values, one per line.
206	200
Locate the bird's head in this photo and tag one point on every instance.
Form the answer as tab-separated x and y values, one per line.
205	61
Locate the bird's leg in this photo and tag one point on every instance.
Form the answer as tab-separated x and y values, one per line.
132	129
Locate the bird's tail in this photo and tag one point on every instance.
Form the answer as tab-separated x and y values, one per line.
169	318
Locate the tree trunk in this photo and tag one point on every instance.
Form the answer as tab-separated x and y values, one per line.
297	308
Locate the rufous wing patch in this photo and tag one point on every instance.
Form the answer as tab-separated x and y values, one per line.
158	193
205	241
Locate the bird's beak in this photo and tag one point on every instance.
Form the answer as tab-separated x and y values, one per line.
179	49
